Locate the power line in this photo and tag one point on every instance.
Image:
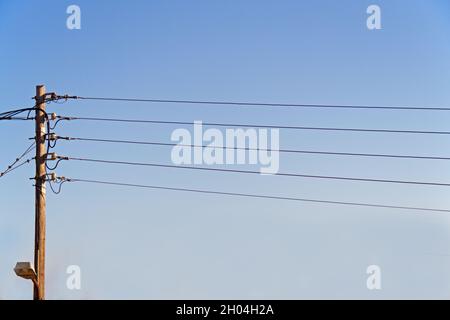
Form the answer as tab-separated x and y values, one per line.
257	149
12	166
16	118
260	196
218	124
10	115
169	166
17	167
264	104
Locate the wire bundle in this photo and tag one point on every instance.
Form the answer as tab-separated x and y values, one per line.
12	115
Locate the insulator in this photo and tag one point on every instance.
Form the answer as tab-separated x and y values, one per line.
52	156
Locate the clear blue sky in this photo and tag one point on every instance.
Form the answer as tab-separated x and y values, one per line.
152	244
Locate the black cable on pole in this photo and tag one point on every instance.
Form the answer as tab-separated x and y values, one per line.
257	149
55	166
242	125
11	115
169	166
260	196
263	104
60	184
16	118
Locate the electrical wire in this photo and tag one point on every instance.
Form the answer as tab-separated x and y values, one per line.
263	104
60	184
11	166
11	115
16	118
169	166
256	149
16	167
55	124
49	144
260	196
217	124
56	165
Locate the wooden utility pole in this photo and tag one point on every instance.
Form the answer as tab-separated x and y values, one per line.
41	154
